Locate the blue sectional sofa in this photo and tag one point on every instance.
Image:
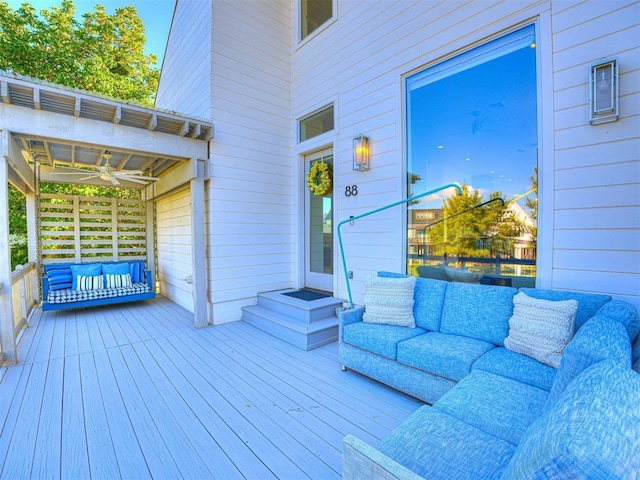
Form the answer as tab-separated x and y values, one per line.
60	289
497	413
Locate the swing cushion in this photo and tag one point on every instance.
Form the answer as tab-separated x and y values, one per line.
136	270
59	277
114	269
88	270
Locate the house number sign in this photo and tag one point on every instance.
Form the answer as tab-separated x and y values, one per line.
351	190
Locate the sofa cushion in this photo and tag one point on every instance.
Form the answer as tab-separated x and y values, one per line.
428	301
599	339
494	404
449	356
541	328
94	282
380	339
517	367
635	349
389	301
478	311
68	295
591	432
136	270
624	313
588	303
438	446
118	268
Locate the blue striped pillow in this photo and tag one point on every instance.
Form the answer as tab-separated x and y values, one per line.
95	282
118	281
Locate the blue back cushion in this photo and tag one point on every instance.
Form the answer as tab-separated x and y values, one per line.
119	268
478	311
588	303
60	276
428	300
86	270
136	269
624	313
591	431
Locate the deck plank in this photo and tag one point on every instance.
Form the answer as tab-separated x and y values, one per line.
135	391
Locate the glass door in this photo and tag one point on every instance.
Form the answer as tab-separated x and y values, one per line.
319	229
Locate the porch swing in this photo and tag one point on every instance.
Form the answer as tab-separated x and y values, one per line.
87	284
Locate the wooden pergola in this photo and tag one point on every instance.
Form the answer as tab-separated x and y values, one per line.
57	126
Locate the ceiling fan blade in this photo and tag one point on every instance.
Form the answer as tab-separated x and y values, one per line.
75	169
114	181
143	177
134	180
127	172
72	171
89	177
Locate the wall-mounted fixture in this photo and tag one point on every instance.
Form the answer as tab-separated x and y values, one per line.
604	94
361	153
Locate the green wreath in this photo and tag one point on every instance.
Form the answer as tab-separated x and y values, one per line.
319	178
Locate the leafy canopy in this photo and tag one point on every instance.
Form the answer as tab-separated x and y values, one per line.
102	53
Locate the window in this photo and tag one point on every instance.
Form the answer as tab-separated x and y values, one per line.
316	123
473	120
313	13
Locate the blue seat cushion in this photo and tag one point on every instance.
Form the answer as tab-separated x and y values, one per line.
449	356
518	367
478	311
588	303
591	431
494	404
438	446
428	300
380	339
601	338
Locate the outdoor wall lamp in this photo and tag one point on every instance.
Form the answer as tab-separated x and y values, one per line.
603	92
361	153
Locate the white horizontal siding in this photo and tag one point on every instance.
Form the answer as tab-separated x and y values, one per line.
596	242
250	195
174	245
186	69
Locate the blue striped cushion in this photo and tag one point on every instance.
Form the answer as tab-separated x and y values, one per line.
95	282
118	281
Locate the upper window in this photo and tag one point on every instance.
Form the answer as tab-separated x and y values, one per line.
472	120
316	123
313	13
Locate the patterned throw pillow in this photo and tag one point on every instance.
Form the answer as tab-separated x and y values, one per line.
118	281
541	328
389	301
90	282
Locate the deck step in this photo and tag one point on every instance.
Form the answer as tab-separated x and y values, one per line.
305	324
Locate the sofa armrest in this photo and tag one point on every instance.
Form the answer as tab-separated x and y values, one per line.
361	461
348	317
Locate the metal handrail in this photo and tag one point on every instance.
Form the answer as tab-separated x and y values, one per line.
366	214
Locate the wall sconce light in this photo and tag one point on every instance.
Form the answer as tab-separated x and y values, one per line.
361	153
604	95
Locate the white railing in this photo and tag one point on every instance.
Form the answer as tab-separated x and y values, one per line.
24	293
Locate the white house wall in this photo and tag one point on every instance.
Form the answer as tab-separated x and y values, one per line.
262	80
173	237
589	237
185	85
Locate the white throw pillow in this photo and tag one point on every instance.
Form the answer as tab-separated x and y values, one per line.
541	328
389	301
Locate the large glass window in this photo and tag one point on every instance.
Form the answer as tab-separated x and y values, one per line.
313	13
473	120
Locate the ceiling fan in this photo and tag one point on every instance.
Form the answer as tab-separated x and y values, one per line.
107	173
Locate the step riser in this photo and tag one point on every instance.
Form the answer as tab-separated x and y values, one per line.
304	324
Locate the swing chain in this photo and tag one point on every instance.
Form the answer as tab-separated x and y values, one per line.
36	208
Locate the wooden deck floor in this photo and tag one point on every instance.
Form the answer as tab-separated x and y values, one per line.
134	391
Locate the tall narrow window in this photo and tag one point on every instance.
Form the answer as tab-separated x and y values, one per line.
316	124
313	13
473	120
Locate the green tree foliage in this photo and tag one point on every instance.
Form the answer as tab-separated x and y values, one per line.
102	53
468	230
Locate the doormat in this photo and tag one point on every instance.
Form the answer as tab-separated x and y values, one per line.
306	295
